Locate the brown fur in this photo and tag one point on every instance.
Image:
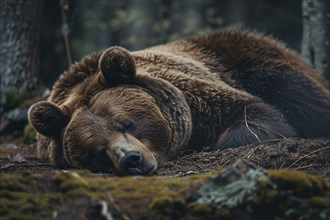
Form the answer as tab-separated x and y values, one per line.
224	89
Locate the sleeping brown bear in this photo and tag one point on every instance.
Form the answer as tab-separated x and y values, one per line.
131	111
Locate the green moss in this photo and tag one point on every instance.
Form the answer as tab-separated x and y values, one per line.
15	99
38	196
29	134
155	187
300	183
167	191
29	205
208	211
164	209
223	213
271	194
31	101
201	209
73	184
320	202
27	197
9	183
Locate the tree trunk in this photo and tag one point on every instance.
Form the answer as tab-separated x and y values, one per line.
316	32
19	62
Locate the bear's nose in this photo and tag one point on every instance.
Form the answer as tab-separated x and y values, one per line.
131	163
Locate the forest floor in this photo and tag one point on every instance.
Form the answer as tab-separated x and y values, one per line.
312	156
33	188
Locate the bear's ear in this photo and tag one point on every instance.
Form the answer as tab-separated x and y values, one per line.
47	118
117	66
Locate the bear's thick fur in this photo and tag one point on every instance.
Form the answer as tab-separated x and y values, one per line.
132	110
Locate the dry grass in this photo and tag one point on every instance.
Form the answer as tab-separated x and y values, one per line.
312	156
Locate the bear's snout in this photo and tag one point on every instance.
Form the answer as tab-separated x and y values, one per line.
133	164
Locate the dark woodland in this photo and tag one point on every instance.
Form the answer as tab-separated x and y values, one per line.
40	39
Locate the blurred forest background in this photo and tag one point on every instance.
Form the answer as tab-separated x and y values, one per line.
40	38
137	24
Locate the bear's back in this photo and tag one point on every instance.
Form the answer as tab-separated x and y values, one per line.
83	70
223	55
230	52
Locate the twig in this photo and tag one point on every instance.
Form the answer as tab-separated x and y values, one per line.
307	166
316	151
113	202
282	164
64	10
200	167
106	214
278	134
246	124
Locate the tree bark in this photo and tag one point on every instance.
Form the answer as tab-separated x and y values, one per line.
315	46
19	50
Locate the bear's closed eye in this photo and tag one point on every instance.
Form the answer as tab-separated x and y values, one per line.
129	126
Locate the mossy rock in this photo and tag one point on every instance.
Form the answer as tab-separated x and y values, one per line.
246	192
278	194
15	99
301	184
20	99
29	134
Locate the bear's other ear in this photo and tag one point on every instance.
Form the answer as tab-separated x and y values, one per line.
47	118
117	66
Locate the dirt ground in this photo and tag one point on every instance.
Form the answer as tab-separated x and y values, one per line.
40	191
312	156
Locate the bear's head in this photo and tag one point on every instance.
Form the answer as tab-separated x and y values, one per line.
120	119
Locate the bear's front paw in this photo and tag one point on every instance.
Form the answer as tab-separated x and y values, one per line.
253	131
